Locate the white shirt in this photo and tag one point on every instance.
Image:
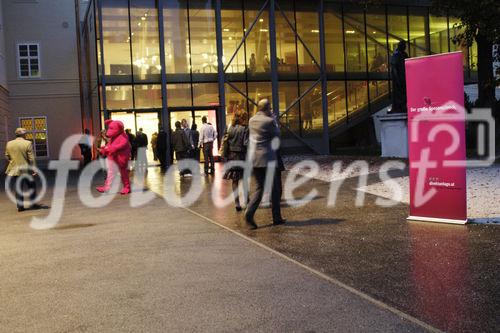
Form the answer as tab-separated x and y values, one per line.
207	134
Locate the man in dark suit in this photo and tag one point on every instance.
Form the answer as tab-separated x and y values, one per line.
263	153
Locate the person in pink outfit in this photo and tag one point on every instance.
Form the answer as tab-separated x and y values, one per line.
117	151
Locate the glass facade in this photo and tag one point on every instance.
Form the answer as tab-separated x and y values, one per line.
321	63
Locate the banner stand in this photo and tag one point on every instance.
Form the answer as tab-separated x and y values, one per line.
434	219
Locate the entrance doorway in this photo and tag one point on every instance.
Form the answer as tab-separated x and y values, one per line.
194	115
148	121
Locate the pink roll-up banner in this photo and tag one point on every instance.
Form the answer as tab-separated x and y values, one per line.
436	138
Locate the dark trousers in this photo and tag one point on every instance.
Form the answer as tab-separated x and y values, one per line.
25	183
260	178
179	156
209	156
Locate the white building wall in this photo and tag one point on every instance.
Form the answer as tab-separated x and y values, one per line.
4	93
56	94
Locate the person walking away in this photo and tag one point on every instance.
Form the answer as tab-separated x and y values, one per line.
86	147
208	134
100	142
142	145
154	145
236	143
180	145
133	144
195	135
263	129
19	154
161	148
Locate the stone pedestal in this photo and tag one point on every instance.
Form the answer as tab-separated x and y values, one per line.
394	134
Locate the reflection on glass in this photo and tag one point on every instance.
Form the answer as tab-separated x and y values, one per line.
235	101
288	93
175	20
257	42
336	101
438	29
202	34
205	94
145	46
308	30
311	106
116	39
397	27
258	91
147	96
376	40
179	94
357	95
232	35
418	43
355	39
334	46
119	97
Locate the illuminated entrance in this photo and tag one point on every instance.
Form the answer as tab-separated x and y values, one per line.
148	121
194	115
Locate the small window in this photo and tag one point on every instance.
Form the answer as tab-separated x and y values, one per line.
28	55
36	128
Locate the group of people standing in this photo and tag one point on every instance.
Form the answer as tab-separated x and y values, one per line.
188	142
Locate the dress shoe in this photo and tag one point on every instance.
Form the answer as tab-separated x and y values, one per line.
250	223
238	208
280	221
21	209
37	206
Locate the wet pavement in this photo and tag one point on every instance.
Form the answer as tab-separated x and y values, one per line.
445	275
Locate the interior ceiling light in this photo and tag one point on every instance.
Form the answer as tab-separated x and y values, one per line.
315	31
226	29
350	32
143	18
261	20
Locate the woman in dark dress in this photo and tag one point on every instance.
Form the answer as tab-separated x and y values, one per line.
235	148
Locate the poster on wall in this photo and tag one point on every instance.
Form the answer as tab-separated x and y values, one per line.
436	138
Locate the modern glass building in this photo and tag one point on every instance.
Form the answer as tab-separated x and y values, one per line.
324	65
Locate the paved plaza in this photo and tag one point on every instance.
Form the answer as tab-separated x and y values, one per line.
158	268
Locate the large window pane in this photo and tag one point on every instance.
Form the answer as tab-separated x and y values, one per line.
202	33
438	28
355	39
147	96
397	26
258	91
418	41
308	30
145	46
179	95
336	101
116	37
334	46
119	97
357	95
378	90
286	49
257	43
205	94
376	40
311	106
175	20
288	93
232	35
235	101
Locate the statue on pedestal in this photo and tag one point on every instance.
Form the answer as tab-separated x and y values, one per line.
398	78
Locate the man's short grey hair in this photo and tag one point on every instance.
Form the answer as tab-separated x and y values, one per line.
264	105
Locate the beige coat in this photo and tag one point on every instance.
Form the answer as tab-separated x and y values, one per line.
19	154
